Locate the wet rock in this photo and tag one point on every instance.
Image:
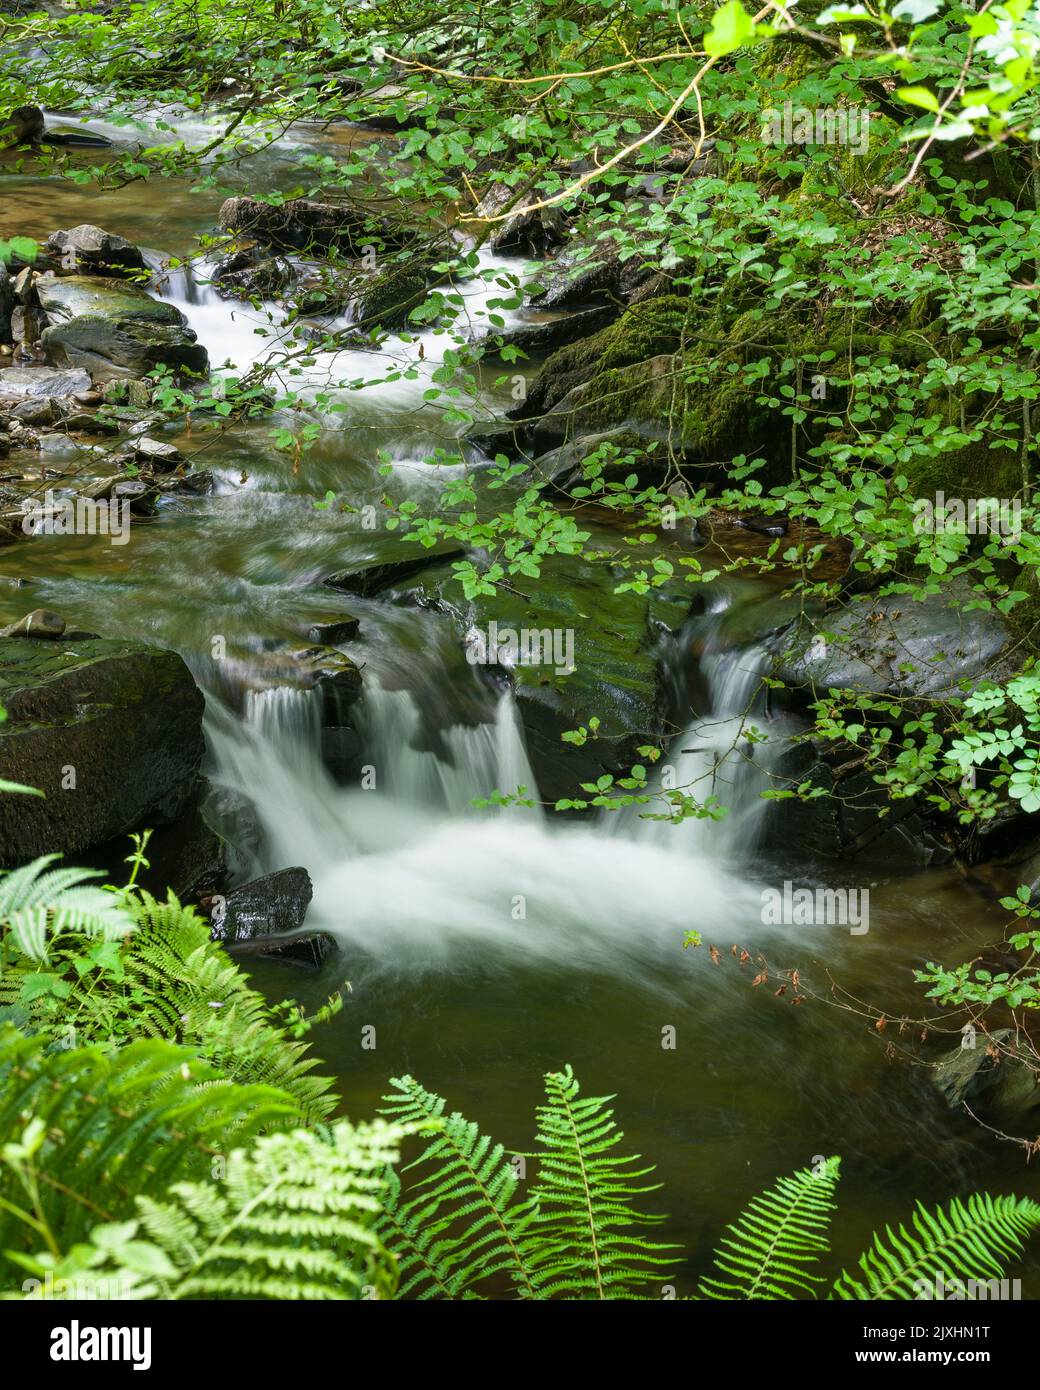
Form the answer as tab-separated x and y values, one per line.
89	250
43	381
525	229
303	225
272	904
537	338
6	305
24	126
37	410
114	328
343	628
157	454
931	648
335	675
22	285
142	497
41	622
563	465
247	273
763	524
498	437
110	731
390	295
993	1079
374	576
83	422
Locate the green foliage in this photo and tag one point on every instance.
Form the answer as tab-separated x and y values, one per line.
969	1240
38	903
84	1131
767	1252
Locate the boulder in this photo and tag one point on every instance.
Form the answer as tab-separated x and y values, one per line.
41	622
303	225
371	577
993	1078
537	338
110	731
929	648
341	628
114	328
89	250
24	126
264	917
43	381
275	903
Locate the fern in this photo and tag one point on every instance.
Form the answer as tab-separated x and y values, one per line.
295	1218
111	1126
461	1223
970	1240
168	980
37	903
767	1252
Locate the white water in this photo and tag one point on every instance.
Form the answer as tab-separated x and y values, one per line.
408	874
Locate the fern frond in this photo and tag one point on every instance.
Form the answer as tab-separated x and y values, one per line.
37	903
767	1252
583	1241
968	1240
116	1125
295	1217
460	1224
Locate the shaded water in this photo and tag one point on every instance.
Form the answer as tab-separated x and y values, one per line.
485	947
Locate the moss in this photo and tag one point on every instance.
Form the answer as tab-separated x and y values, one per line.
974	471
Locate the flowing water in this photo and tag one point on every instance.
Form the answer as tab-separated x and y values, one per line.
485	946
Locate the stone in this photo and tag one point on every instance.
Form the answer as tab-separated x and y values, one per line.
41	622
90	250
157	454
373	576
303	225
109	730
43	381
114	328
6	306
270	905
24	126
339	629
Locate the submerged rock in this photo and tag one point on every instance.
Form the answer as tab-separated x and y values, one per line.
993	1078
115	329
373	576
110	731
41	622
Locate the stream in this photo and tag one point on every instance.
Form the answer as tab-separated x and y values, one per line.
421	889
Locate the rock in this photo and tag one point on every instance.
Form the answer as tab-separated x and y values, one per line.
334	675
24	126
43	381
928	649
614	641
83	422
41	622
141	496
993	1078
373	576
392	293
246	273
763	524
157	454
339	629
276	902
22	284
537	338
525	229
498	437
37	410
114	328
563	465
110	731
235	819
89	250
6	306
302	225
